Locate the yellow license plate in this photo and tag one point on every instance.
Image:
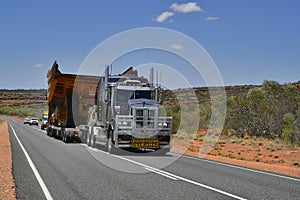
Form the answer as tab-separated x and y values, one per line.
142	143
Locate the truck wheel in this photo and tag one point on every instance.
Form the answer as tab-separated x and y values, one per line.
91	138
66	137
52	133
85	136
49	132
110	146
88	139
88	136
70	137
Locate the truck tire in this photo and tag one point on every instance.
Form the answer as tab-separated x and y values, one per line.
71	137
91	138
110	146
50	132
66	137
86	134
82	136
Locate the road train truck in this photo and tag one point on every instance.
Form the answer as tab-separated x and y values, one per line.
116	111
127	115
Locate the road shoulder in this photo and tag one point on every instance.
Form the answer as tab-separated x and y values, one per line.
7	183
27	186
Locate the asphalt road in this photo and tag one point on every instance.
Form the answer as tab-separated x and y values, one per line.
75	171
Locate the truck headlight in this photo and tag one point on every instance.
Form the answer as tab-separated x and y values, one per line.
163	125
124	123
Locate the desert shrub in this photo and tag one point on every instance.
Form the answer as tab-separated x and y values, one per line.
257	159
23	111
191	149
260	112
231	155
296	164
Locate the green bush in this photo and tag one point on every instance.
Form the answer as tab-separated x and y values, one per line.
23	111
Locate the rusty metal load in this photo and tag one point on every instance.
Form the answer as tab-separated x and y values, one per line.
69	102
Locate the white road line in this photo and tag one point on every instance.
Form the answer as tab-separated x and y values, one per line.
35	171
94	149
237	167
158	171
161	173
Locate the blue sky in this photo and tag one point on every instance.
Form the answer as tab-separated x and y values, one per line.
249	40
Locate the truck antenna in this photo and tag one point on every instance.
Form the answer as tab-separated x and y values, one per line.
156	88
110	69
151	77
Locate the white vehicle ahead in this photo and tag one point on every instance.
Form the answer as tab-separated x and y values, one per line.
33	121
44	121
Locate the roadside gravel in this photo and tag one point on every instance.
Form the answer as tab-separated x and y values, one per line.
7	184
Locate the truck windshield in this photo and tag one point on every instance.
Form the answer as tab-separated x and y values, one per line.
122	96
141	95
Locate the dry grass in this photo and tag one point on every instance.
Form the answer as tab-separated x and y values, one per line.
248	148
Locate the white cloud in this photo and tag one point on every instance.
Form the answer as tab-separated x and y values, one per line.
185	7
176	46
163	16
38	65
212	18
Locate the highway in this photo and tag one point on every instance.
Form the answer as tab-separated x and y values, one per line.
51	169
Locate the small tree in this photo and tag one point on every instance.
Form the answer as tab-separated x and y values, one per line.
288	131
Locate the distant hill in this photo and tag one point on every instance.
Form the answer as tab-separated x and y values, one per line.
202	94
22	97
191	95
32	102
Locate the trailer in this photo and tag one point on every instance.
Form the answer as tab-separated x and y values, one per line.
68	102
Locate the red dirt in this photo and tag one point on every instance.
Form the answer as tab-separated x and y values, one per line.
7	184
251	153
